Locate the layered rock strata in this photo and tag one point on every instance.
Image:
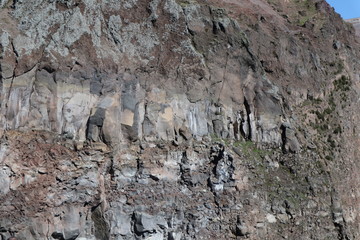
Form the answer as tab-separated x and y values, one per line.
178	120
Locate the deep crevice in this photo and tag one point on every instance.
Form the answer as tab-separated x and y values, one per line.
248	112
283	138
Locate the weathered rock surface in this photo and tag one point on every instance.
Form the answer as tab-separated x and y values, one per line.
356	23
178	120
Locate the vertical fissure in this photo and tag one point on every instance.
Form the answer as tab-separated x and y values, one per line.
248	122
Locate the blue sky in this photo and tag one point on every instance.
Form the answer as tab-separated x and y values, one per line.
346	8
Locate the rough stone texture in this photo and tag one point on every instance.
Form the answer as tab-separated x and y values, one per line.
178	120
356	23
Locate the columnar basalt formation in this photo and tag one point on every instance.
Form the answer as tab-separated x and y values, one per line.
177	119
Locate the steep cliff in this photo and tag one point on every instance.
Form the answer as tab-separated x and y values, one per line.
178	119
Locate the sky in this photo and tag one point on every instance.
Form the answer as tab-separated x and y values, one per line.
346	8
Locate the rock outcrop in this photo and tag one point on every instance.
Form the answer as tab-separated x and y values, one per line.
356	23
177	119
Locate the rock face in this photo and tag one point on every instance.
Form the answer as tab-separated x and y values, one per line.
356	23
172	119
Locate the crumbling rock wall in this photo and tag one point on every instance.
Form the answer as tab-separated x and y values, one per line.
178	120
76	68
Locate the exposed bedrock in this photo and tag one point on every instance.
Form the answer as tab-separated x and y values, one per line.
172	119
